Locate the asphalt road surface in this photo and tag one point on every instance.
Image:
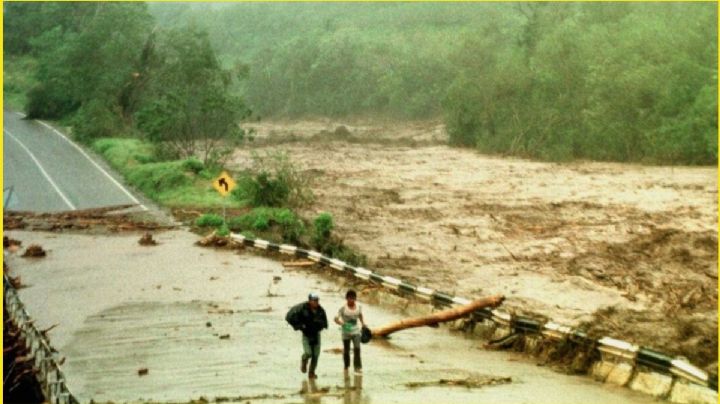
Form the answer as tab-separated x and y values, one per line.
210	323
44	171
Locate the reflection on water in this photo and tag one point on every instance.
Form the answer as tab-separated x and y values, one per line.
310	392
351	392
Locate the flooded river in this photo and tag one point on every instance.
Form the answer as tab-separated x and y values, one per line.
207	323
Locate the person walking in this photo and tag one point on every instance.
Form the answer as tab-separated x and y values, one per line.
350	318
310	318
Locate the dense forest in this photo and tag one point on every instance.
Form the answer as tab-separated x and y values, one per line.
557	81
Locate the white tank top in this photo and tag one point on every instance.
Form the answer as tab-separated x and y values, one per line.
351	318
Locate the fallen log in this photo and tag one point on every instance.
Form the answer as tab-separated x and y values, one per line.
439	317
292	264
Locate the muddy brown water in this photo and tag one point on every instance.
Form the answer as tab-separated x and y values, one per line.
208	323
633	243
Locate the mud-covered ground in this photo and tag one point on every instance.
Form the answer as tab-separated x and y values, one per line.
624	250
177	323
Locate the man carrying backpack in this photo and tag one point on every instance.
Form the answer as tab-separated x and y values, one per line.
310	318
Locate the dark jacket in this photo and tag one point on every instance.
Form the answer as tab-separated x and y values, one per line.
300	317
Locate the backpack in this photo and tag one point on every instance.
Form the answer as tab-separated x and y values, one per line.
294	316
365	335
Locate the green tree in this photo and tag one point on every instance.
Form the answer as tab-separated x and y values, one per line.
186	106
91	59
627	82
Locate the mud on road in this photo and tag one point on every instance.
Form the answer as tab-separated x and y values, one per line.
623	250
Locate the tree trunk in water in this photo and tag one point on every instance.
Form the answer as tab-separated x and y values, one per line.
439	317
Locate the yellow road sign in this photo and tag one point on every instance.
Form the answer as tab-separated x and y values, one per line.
224	183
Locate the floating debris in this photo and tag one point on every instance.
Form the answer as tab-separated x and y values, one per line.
96	218
10	242
213	240
470	382
16	282
147	240
35	251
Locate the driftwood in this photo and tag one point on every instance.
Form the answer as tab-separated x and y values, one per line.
439	317
147	240
292	264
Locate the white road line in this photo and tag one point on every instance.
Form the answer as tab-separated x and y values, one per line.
42	170
20	114
95	164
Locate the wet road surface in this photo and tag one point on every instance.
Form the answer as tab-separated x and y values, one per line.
48	173
208	323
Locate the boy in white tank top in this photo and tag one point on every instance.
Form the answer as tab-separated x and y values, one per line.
350	318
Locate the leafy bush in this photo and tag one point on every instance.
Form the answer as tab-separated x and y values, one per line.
273	181
95	120
291	226
284	221
46	102
322	230
261	190
261	220
209	173
223	230
209	220
194	165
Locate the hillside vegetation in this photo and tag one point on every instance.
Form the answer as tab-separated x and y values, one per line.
559	81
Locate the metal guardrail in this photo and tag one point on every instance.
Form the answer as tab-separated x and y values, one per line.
49	375
639	356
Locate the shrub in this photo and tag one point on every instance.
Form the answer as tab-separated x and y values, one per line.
223	230
209	220
273	181
94	120
209	173
261	190
241	223
194	165
44	101
261	220
290	227
322	229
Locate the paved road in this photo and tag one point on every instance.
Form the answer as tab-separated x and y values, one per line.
48	173
165	308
